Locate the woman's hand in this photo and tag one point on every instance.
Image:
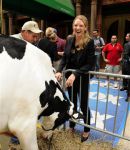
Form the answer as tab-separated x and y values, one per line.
60	53
106	60
120	59
58	76
70	80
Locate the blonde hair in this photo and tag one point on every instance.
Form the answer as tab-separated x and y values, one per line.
50	33
86	37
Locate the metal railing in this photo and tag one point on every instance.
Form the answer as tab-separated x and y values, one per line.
105	76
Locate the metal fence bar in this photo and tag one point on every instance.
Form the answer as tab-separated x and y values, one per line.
80	90
110	74
88	96
107	75
97	103
127	111
104	131
116	112
106	103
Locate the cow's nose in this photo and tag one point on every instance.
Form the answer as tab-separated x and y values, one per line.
78	115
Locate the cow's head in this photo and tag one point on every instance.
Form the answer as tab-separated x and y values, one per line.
57	105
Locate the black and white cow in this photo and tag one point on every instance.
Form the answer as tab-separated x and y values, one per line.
28	90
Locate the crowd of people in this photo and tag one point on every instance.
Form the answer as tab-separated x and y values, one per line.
81	52
116	56
112	55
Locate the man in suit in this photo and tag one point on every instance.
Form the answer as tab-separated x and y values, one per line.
126	66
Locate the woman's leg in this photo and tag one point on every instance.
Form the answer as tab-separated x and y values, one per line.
84	102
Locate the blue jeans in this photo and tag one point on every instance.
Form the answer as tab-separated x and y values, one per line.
97	65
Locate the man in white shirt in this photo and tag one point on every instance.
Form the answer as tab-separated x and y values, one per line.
30	32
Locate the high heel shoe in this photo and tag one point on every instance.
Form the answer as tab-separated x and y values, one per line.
84	138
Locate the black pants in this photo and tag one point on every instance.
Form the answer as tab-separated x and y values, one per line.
126	71
83	101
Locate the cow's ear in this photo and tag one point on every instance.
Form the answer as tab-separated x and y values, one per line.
48	93
52	87
44	97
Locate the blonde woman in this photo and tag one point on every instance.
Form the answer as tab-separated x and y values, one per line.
79	55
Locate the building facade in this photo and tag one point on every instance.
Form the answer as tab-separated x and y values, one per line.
109	16
55	13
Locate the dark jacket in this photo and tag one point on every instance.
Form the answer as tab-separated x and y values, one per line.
48	47
126	53
82	61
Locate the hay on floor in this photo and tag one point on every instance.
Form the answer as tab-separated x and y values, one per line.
65	140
